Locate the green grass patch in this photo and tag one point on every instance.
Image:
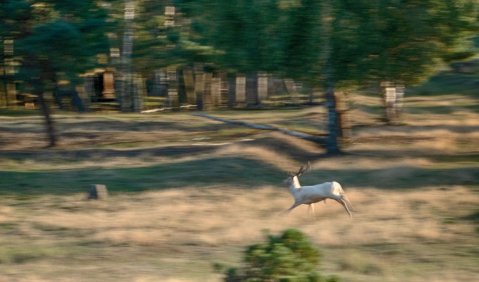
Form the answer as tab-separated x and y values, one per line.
448	82
377	261
20	112
403	177
239	172
441	110
28	253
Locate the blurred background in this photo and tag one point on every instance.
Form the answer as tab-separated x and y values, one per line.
192	113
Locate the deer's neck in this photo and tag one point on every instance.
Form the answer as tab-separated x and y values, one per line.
296	183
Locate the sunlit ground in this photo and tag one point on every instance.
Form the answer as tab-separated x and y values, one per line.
187	192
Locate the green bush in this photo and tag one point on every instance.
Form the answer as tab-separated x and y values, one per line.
286	257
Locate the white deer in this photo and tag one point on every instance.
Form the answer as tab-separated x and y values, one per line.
309	195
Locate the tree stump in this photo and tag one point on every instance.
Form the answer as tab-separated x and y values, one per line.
97	192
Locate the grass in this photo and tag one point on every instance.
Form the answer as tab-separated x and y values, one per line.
202	172
186	193
448	82
17	112
217	171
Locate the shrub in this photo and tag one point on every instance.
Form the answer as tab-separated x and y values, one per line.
286	257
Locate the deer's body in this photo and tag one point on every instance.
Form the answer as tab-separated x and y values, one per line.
309	195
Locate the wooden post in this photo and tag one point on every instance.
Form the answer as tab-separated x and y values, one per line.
390	98
170	16
216	92
240	90
173	100
262	87
189	86
400	92
292	91
223	89
108	85
207	97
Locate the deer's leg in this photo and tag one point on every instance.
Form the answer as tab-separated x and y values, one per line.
292	207
346	200
345	207
311	209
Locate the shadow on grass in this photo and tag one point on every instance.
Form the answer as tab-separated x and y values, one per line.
448	82
400	177
226	171
102	154
441	110
236	172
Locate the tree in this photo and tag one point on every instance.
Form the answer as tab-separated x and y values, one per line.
288	256
161	38
288	38
334	42
54	40
398	42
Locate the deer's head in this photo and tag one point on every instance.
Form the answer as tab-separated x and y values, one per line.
293	180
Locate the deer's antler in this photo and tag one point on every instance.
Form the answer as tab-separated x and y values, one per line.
303	169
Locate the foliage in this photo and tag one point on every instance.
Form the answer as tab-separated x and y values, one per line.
58	40
353	41
54	41
162	40
334	42
399	40
286	257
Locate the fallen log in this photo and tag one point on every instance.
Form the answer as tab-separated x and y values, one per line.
301	135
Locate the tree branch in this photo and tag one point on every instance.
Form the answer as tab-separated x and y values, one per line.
301	135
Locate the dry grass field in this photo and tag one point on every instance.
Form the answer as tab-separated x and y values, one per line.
187	192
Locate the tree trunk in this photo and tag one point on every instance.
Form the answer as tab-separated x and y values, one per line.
49	125
126	90
189	80
4	99
342	111
334	132
231	90
252	90
138	91
199	86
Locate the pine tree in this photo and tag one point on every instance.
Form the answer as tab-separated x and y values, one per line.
54	40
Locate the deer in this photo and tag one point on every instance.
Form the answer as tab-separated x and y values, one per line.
309	195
